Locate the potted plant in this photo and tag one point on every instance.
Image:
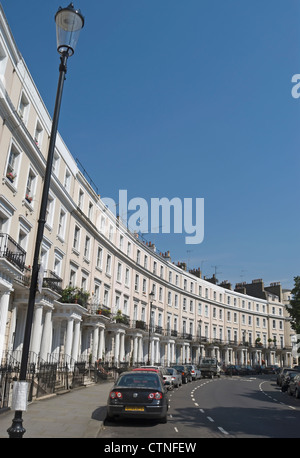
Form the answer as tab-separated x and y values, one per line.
11	176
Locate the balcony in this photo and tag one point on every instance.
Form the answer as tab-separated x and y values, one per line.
52	281
12	251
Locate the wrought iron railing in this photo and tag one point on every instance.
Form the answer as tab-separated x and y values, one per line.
12	251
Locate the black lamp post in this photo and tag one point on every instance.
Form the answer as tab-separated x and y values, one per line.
69	22
151	297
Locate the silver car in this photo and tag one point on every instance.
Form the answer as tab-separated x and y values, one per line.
176	376
196	373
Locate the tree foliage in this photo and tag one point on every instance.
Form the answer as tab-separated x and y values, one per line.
294	307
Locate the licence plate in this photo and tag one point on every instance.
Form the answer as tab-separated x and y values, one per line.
139	409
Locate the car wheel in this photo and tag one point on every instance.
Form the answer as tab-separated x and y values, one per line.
110	418
164	419
289	391
297	394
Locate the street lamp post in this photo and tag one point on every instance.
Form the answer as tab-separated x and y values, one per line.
150	313
69	22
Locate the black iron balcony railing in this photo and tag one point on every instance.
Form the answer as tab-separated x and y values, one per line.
52	281
12	251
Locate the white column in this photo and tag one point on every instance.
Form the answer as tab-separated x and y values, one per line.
46	336
117	347
101	345
168	354
55	351
36	333
4	301
122	347
76	340
95	344
69	339
135	347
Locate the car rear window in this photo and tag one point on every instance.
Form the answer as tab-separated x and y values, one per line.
139	381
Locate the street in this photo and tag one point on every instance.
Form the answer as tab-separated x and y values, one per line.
230	407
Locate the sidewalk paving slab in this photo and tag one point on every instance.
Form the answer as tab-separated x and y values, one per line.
77	413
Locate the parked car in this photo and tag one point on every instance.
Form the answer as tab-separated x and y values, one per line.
257	369
175	376
138	394
281	374
247	370
163	372
232	369
274	369
186	374
287	379
196	373
294	385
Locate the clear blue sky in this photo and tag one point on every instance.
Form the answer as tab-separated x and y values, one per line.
173	98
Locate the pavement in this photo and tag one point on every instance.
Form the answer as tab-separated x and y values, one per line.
78	413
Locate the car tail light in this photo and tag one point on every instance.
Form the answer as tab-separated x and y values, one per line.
173	378
182	373
156	395
115	394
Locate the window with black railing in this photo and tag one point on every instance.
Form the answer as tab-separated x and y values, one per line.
12	251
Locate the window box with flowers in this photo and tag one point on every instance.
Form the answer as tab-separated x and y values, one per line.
29	198
11	176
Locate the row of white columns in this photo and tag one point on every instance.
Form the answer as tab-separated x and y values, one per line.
82	338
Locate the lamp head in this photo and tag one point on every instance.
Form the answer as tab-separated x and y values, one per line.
69	22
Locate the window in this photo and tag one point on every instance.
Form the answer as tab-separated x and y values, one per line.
127	277
13	164
129	249
90	215
136	283
61	224
87	247
30	186
106	297
3	61
125	306
50	211
119	272
55	163
169	298
154	267
138	257
108	264
176	301
160	294
121	241
38	134
146	262
191	306
144	285
99	257
184	304
76	238
23	108
72	278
